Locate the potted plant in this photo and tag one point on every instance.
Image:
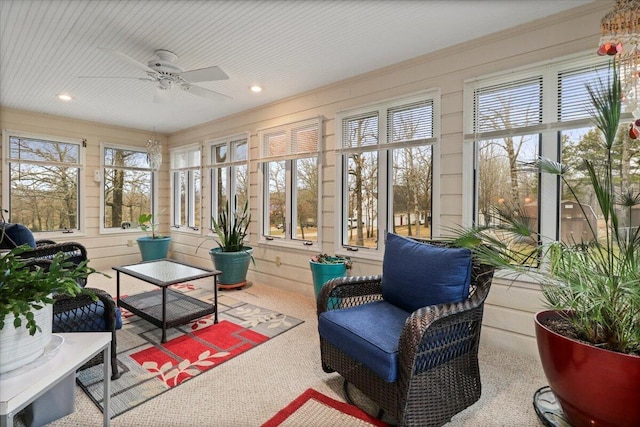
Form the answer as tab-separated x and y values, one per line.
232	256
589	340
27	288
154	246
325	267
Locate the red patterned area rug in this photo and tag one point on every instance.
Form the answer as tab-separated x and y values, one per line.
150	368
313	408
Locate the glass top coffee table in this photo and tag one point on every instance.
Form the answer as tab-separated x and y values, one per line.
168	308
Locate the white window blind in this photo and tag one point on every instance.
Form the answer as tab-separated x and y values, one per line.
508	105
360	131
411	122
290	140
573	99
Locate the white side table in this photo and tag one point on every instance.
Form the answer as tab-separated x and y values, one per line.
18	391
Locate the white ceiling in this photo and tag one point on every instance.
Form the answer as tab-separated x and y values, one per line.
288	47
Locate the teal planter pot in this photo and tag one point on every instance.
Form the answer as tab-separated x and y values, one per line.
322	273
152	249
233	265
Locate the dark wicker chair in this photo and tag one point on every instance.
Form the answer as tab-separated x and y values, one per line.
81	313
438	373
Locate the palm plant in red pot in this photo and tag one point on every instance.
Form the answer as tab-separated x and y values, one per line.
589	340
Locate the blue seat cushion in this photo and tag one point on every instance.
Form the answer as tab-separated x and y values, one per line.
89	318
417	274
368	333
19	234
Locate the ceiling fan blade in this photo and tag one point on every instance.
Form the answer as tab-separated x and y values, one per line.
206	93
128	59
204	75
114	77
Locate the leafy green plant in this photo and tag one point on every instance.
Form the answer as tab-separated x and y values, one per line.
27	285
146	222
231	228
336	259
595	285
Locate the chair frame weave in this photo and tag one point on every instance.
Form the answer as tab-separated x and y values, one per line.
438	371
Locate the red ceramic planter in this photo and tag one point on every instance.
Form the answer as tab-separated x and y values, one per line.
595	387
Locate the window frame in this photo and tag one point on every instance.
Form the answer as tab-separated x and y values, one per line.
289	157
80	230
192	212
384	150
549	131
154	185
230	165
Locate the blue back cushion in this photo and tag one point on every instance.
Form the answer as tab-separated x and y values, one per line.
20	234
416	274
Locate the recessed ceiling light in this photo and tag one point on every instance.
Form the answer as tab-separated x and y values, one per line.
65	97
256	88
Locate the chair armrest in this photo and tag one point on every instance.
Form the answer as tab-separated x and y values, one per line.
71	249
343	292
436	334
42	242
65	303
74	252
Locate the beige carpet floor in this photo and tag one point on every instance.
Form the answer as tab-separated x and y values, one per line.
250	389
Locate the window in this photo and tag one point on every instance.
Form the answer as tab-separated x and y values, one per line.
42	177
186	185
229	172
522	115
386	155
289	157
127	186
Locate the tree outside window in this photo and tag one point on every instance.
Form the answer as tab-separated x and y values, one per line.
44	177
127	186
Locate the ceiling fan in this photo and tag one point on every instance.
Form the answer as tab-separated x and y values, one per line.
164	71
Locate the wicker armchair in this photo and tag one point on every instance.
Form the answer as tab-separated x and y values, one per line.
437	351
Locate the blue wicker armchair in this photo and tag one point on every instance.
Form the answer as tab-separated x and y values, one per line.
408	339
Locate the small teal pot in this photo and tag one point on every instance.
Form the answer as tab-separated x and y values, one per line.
152	249
233	265
322	273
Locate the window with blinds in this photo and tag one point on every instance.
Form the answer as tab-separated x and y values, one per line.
289	162
386	155
515	118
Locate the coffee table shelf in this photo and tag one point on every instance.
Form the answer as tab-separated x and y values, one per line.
168	308
180	308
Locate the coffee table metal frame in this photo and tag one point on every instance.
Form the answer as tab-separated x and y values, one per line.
175	308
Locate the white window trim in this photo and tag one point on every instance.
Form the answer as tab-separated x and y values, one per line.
154	193
308	245
172	199
53	235
373	253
